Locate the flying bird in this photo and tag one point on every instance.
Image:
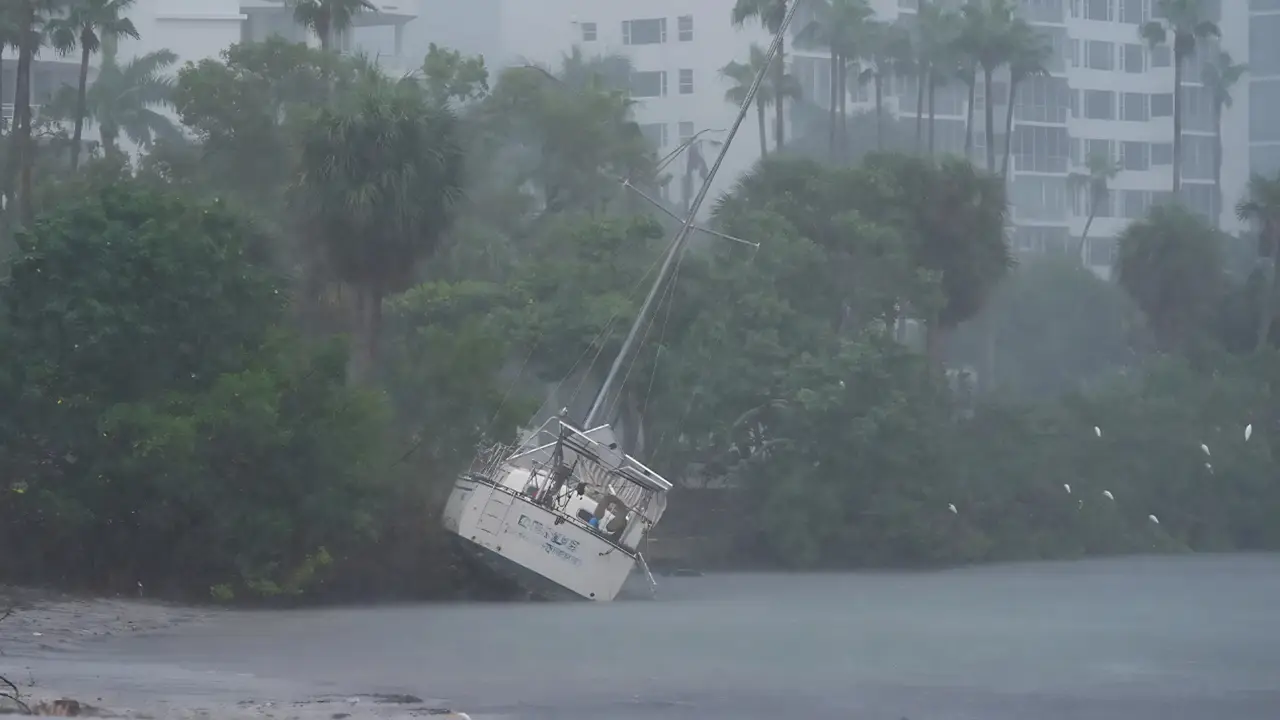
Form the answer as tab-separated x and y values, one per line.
1208	467
1248	432
1097	431
1154	519
1066	487
1107	494
1205	448
952	508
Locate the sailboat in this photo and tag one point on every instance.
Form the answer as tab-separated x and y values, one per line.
563	513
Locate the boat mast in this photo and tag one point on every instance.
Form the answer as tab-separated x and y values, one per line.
673	251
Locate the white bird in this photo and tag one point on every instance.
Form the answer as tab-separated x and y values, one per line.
1066	487
1107	494
1097	431
952	508
1205	448
1080	505
1154	519
1248	432
1208	467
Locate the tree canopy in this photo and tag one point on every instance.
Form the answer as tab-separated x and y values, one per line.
247	362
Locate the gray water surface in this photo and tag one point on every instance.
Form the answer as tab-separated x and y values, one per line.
1187	638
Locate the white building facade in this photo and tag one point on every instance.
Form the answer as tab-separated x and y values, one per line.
1106	93
676	49
199	29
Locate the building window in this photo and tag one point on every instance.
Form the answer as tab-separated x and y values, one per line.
644	32
655	133
686	81
1202	199
1264	51
1134	58
1134	204
1099	149
686	131
1100	55
1264	98
649	84
684	28
1162	105
1039	149
1100	104
588	32
1039	198
1133	107
1197	157
1131	12
1162	154
1161	56
1102	251
1041	99
1098	9
1043	10
1135	156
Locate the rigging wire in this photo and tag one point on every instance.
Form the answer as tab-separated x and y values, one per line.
677	244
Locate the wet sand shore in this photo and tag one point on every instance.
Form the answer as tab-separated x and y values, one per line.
1177	638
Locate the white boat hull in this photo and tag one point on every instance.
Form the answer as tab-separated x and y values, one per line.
522	541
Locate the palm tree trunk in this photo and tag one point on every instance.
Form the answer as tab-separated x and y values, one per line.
1	87
835	82
369	313
879	81
1177	126
779	107
20	155
1267	302
920	80
968	121
1008	130
1217	163
764	132
933	117
844	110
82	91
1084	236
990	116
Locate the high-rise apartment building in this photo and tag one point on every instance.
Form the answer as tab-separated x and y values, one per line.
1263	93
676	49
1106	93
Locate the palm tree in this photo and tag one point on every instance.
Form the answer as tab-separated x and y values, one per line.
88	24
988	40
934	38
1029	55
328	18
124	99
744	74
1262	208
839	26
9	35
1096	184
1220	74
888	51
30	18
770	14
379	180
1170	263
1185	21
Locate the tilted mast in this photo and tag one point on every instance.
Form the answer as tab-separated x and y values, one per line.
677	244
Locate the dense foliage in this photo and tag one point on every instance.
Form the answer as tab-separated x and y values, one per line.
247	361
